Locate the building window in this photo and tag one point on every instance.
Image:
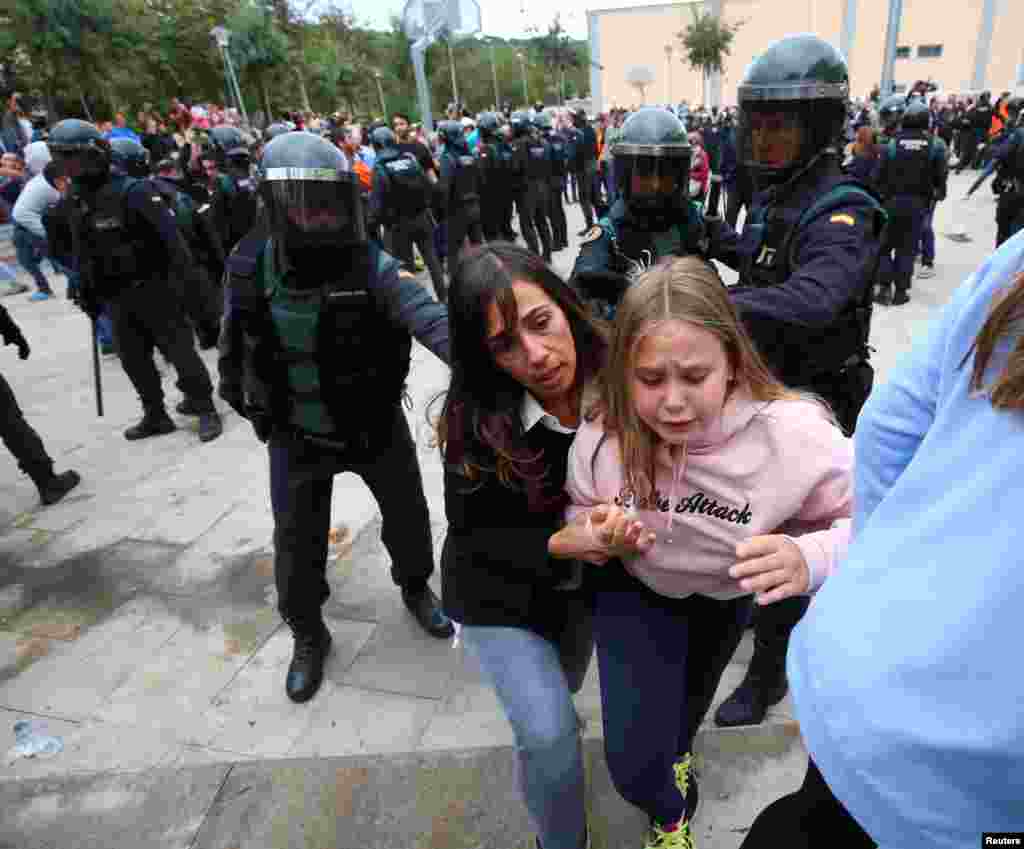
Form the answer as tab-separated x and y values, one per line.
902	52
929	51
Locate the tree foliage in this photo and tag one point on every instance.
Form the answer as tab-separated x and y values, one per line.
91	58
707	41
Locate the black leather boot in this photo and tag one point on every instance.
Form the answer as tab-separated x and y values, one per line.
154	423
210	425
306	671
426	607
54	488
764	685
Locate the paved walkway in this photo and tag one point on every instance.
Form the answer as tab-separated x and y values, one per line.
138	623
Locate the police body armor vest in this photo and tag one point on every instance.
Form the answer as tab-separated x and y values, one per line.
467	177
1016	159
635	249
559	155
408	182
910	169
538	162
116	254
491	170
325	361
809	353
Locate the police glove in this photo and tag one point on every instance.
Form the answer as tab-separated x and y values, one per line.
18	339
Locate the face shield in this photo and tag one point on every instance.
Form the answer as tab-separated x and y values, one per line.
653	179
314	208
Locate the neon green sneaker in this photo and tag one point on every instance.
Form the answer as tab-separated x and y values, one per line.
680	838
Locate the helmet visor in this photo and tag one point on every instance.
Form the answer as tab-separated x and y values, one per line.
315	206
771	137
653	177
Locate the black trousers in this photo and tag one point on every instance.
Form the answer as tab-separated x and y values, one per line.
203	299
1009	215
463	223
417	230
533	220
585	181
556	212
810	818
301	481
151	315
21	438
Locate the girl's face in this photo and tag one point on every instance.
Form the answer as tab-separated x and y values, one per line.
679	380
540	353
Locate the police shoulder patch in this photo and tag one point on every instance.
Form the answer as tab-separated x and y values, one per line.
842	218
592	235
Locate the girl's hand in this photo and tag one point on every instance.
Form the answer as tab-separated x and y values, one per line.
772	567
605	532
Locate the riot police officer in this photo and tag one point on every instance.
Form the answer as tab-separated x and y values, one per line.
807	260
494	179
1008	155
400	200
128	251
460	190
558	150
533	169
890	114
911	176
652	217
513	180
318	296
233	190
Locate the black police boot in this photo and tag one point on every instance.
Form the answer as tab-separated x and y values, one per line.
55	487
764	685
883	295
210	425
154	422
901	297
306	671
426	607
188	407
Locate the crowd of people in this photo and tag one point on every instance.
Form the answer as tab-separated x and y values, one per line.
639	461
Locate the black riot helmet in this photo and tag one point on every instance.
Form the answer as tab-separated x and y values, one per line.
274	130
652	163
382	138
579	119
916	116
542	121
792	106
1014	107
890	113
520	124
452	135
80	149
128	157
311	196
488	125
222	142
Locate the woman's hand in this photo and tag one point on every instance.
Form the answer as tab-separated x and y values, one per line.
772	567
605	532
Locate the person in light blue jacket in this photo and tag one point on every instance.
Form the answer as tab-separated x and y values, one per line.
906	671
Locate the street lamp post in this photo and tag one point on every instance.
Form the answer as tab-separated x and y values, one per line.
494	73
668	74
522	67
222	35
451	61
380	91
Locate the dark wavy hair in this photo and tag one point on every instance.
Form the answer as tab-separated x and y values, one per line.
480	430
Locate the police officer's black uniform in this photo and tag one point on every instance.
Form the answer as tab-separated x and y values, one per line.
494	196
400	200
807	259
559	156
128	252
315	351
532	168
233	195
460	190
20	437
1009	156
511	178
584	166
911	175
652	216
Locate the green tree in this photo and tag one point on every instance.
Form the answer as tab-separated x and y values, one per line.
258	47
707	41
558	55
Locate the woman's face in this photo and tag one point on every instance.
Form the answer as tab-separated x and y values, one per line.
540	353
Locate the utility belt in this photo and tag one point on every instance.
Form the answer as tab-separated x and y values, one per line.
338	443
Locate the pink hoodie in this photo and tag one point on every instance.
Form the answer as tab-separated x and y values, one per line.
767	467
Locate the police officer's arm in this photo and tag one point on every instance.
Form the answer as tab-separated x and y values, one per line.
378	197
146	203
833	259
447	182
723	241
941	169
408	305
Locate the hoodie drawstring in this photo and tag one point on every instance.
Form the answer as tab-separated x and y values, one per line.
678	470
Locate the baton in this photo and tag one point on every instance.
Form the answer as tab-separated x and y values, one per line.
96	377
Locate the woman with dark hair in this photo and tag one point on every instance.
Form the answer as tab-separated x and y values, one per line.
863	163
523	350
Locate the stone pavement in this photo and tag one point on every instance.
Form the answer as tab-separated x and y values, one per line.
138	626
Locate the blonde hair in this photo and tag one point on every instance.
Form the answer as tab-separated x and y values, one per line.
679	289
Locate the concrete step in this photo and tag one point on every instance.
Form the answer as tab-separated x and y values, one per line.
444	800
